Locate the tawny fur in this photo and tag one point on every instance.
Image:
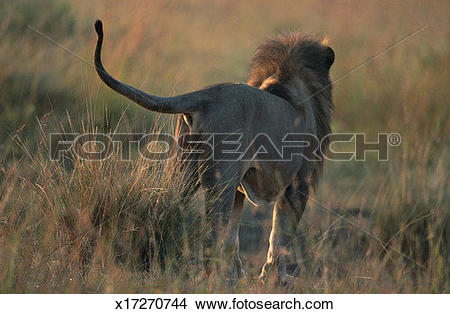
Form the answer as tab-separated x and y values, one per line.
288	92
280	63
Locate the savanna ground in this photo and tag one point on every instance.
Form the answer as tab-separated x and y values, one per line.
117	226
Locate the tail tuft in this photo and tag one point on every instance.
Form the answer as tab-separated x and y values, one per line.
99	28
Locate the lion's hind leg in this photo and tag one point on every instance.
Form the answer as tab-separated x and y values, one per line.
287	213
224	205
230	244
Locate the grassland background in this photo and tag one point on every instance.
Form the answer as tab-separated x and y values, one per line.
89	227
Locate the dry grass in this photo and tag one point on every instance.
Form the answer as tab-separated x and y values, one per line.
109	226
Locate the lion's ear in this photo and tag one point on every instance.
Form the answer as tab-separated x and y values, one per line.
330	56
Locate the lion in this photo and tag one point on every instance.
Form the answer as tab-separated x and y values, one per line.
288	92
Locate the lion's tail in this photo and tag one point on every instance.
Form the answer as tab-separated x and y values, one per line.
178	104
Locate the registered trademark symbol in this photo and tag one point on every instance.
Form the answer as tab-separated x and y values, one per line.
395	139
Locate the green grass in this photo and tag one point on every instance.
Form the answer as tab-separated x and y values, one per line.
111	226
